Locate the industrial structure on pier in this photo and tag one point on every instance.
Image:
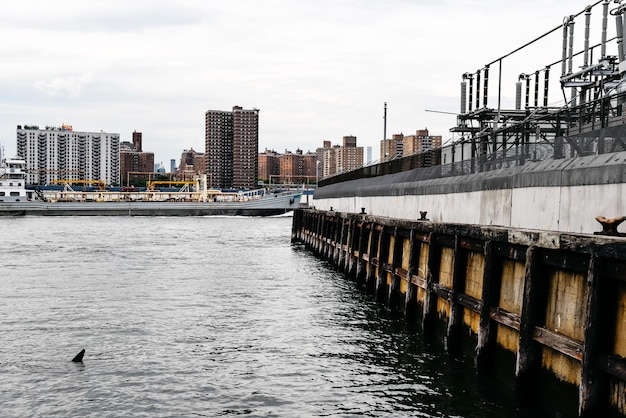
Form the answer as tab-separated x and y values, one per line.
588	120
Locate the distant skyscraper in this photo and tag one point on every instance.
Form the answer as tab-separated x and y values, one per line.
60	153
232	144
369	155
172	165
159	168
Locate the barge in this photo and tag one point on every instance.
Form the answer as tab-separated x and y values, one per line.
17	200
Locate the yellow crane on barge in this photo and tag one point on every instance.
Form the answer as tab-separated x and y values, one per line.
186	185
67	183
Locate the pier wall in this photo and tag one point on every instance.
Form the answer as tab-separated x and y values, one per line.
542	312
559	195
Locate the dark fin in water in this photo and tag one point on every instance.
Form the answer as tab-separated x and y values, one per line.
79	357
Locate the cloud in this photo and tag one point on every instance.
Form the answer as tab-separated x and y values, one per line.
317	69
107	16
68	86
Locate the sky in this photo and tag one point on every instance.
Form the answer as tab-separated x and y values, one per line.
317	69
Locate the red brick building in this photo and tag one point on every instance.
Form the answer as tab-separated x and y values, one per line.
134	162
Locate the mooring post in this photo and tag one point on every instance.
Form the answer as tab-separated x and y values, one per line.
360	262
314	232
526	370
353	239
322	236
344	244
393	295
348	250
319	234
330	236
339	236
383	263
453	332
311	232
490	295
410	298
429	316
294	225
310	225
369	266
592	382
303	227
370	278
300	226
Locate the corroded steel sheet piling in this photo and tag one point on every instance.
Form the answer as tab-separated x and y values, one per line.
543	312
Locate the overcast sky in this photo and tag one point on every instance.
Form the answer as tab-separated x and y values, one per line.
317	69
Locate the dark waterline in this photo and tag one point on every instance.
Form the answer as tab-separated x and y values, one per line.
207	317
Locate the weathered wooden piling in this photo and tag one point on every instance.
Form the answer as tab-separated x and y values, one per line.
543	312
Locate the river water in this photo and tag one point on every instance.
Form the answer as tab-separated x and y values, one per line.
206	316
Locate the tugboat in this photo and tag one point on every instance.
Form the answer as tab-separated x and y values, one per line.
13	181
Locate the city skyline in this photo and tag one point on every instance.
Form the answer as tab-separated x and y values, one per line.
319	70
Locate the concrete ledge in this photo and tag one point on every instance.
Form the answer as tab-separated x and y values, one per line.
581	171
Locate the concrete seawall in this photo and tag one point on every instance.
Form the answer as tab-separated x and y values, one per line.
559	195
542	312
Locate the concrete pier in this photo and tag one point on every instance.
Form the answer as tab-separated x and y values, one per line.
543	312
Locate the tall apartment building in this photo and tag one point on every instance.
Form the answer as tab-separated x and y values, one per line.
402	146
328	159
232	144
350	156
134	162
340	158
309	167
61	153
322	160
421	142
392	148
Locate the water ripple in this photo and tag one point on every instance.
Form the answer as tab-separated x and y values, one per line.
202	317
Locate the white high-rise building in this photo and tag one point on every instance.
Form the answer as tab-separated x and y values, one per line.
63	154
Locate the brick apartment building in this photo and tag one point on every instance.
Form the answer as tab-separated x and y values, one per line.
231	147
